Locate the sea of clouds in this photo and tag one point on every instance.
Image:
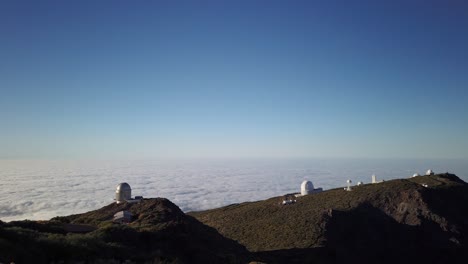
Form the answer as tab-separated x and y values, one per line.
39	189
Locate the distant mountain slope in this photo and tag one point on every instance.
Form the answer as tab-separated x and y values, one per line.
397	214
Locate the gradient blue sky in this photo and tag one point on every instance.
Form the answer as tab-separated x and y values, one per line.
151	79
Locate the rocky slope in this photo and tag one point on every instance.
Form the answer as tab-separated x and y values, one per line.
399	218
394	221
159	233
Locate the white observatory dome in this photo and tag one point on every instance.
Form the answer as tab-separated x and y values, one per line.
416	175
123	192
307	187
429	172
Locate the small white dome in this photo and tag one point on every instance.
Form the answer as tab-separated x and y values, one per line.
416	175
307	187
429	172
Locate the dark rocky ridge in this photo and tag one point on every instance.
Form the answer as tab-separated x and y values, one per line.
159	233
393	221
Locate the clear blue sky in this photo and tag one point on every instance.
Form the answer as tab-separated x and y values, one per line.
149	79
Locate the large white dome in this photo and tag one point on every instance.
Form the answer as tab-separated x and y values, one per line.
123	186
123	192
307	187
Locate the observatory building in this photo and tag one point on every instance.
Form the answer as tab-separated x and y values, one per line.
374	179
123	217
307	187
416	175
123	193
429	173
348	187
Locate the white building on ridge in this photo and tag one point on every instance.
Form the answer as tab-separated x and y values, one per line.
374	179
307	187
123	193
429	172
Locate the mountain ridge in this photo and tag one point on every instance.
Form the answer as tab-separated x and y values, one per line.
420	218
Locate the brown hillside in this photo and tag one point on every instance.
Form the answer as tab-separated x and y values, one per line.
397	213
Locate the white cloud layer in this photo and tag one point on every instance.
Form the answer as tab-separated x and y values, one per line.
44	189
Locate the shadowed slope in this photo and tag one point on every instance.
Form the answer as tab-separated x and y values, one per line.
396	215
160	233
390	222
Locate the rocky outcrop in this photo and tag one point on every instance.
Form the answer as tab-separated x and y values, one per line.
159	233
